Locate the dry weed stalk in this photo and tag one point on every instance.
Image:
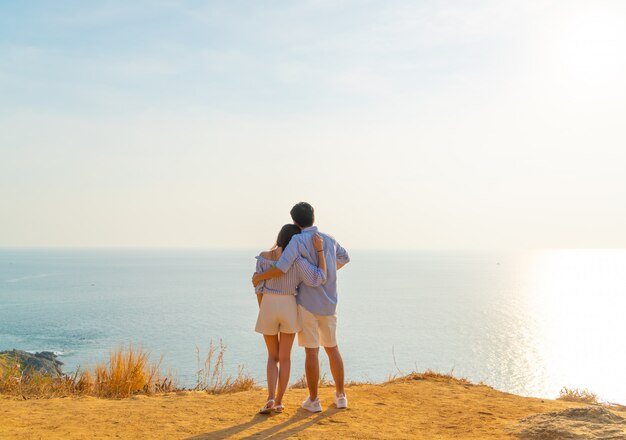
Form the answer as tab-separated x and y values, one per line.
427	375
577	395
300	383
210	377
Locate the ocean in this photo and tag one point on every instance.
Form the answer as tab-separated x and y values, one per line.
528	323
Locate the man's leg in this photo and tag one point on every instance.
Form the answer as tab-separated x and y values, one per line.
336	368
312	370
328	338
308	338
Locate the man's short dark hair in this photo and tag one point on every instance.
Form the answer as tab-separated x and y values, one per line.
303	215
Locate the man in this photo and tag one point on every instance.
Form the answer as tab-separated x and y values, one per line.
316	305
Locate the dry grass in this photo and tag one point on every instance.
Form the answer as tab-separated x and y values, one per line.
25	384
355	383
210	375
577	395
427	375
128	372
588	397
616	406
300	383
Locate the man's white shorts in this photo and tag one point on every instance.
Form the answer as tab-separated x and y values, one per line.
317	329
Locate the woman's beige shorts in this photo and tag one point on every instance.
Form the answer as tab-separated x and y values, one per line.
278	313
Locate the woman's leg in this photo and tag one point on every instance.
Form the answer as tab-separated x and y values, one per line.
284	360
272	364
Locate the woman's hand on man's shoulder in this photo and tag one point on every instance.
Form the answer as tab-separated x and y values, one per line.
318	242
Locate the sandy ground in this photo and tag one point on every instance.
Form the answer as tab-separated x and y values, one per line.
424	409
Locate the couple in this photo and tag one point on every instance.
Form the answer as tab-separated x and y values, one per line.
296	286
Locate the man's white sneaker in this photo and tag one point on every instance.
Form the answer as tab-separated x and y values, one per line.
312	405
341	401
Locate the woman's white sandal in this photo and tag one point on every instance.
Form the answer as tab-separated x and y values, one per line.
279	408
268	407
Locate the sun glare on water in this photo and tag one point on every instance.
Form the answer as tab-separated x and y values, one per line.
580	299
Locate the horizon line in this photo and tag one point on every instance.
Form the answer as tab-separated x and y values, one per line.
100	247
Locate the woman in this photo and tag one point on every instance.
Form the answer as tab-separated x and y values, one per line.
278	312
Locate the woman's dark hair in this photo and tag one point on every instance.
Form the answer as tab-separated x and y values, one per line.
285	234
302	214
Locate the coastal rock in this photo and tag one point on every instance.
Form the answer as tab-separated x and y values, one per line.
45	362
573	423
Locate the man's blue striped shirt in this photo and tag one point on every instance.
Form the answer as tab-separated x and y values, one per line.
321	300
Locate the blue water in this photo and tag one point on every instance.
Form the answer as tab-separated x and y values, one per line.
527	323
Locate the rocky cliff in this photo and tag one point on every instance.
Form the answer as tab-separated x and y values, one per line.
45	361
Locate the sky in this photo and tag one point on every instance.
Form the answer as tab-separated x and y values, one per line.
406	124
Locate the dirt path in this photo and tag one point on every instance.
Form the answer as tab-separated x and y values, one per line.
425	409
